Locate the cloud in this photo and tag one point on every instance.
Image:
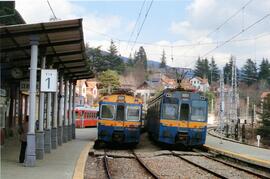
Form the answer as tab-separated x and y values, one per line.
203	18
93	23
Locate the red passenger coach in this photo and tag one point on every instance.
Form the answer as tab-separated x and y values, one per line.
86	117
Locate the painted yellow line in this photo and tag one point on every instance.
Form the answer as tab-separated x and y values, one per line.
240	156
185	124
119	123
80	165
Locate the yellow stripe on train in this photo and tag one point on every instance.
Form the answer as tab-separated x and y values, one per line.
119	123
185	124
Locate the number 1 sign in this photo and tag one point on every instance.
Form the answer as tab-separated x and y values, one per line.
48	81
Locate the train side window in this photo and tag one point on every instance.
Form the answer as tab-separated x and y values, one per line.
107	111
184	112
120	113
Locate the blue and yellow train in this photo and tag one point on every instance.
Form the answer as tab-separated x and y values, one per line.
178	117
120	119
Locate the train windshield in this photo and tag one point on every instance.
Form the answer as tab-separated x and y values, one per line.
107	111
133	113
198	111
170	108
120	113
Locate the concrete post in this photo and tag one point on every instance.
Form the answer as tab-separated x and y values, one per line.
65	128
48	142
73	111
60	112
30	158
70	112
54	127
40	133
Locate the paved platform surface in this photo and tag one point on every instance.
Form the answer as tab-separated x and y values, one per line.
60	163
255	154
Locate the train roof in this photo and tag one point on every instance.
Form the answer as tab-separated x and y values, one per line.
177	92
121	98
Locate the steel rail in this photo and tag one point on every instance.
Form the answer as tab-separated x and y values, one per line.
142	163
106	165
199	166
233	165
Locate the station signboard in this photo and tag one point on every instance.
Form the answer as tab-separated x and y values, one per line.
48	80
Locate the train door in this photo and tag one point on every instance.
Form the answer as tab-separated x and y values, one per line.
120	113
184	116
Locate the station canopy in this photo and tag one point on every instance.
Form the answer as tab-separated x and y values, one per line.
60	41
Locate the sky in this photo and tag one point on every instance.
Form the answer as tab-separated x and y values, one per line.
184	29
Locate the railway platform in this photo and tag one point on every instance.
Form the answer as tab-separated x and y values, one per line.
60	163
248	153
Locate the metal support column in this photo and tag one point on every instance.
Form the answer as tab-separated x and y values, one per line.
70	112
40	132
73	111
30	156
65	127
48	141
60	112
54	120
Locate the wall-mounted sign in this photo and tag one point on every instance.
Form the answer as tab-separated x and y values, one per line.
25	85
48	80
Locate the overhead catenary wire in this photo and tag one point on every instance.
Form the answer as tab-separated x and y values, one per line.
145	17
136	23
225	22
236	35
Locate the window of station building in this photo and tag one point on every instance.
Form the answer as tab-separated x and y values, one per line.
107	111
120	113
133	113
184	112
198	111
170	108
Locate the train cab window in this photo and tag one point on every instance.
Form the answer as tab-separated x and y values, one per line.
107	111
170	108
133	113
184	112
120	113
198	112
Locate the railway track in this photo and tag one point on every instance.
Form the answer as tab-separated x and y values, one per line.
106	166
261	175
199	166
136	157
222	162
143	164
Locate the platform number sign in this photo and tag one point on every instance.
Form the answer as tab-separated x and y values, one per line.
48	81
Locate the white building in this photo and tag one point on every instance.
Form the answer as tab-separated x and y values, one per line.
200	84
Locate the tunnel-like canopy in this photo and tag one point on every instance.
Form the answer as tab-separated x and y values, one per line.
60	41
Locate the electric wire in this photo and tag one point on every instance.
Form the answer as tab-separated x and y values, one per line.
51	10
139	15
145	17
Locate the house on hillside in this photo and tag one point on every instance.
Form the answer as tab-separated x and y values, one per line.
201	84
86	92
145	91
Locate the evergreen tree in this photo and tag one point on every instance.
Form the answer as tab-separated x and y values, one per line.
202	68
130	62
140	57
227	71
264	71
101	61
249	72
112	49
214	72
163	60
264	129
